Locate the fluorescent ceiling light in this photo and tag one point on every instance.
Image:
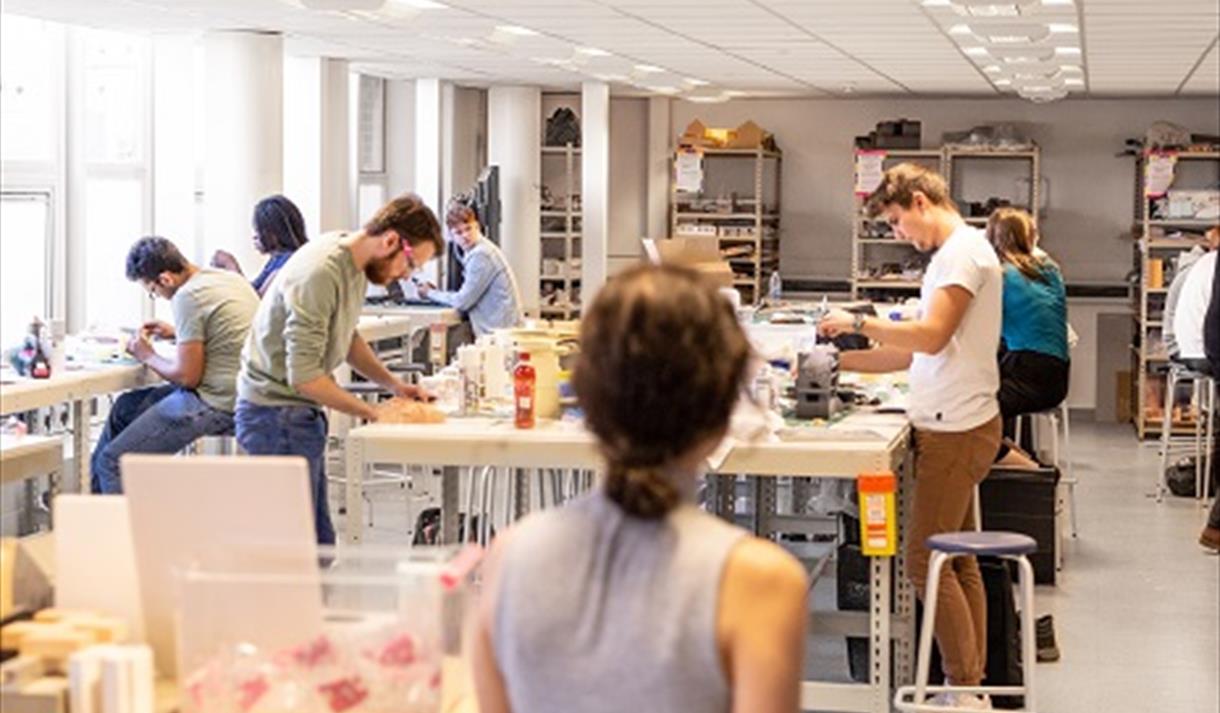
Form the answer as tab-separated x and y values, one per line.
708	98
618	78
696	82
975	51
592	52
1003	82
516	30
1066	28
960	29
1074	82
1073	68
734	93
648	68
419	4
1010	39
993	69
1057	3
993	10
664	90
1067	51
936	3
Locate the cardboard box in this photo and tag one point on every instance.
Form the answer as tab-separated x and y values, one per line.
699	253
747	136
696	135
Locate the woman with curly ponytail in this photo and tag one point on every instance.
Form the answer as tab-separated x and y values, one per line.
631	598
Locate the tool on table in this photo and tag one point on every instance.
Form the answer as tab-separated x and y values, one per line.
817	382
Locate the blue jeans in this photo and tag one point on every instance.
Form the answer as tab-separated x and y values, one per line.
161	419
291	431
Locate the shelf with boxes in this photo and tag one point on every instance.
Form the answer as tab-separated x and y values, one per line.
1177	197
883	266
726	184
981	177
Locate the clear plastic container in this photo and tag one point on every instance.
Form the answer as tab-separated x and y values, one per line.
368	631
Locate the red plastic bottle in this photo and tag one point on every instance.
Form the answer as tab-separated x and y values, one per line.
523	391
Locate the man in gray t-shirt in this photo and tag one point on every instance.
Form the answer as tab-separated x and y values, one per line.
306	328
212	315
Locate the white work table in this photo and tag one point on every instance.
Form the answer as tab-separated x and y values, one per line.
860	443
76	387
418	315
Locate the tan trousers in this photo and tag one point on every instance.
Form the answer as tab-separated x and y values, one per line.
947	467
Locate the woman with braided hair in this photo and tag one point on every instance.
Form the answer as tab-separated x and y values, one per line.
279	230
631	598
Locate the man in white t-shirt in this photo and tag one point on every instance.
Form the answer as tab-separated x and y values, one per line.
950	351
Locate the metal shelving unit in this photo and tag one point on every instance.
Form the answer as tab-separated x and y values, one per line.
567	282
1149	362
872	240
867	250
761	225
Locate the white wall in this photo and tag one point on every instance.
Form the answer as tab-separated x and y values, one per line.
469	131
1090	190
628	214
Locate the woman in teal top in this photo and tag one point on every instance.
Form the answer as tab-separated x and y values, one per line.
1034	361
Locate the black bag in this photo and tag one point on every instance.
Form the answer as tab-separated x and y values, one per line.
562	128
1003	634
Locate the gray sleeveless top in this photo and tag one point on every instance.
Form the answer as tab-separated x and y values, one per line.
601	612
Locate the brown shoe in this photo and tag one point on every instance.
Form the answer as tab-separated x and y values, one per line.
1210	539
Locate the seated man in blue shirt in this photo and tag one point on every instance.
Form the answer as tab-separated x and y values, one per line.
488	294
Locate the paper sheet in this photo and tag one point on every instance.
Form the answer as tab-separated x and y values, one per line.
1158	174
870	168
688	172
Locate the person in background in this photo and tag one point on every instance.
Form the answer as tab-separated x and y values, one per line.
279	230
1190	309
1186	260
306	327
631	598
1210	537
1034	363
213	310
489	294
950	351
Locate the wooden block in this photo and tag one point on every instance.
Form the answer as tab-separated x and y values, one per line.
52	615
54	644
102	629
45	695
8	557
18	671
12	634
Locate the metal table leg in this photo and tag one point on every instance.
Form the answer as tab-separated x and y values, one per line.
79	482
879	633
450	500
904	638
353	492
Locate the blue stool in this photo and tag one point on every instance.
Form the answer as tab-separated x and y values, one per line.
944	547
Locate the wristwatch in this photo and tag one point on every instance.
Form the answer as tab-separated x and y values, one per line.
857	323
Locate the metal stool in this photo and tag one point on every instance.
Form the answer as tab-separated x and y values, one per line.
946	546
1059	416
1200	443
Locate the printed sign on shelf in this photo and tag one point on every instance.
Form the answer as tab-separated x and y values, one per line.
870	168
1158	173
688	171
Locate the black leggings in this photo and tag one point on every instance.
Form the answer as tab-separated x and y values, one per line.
1030	382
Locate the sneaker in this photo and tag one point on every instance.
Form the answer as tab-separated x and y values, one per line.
1210	539
1044	633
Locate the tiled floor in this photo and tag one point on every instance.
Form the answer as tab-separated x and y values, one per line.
1137	608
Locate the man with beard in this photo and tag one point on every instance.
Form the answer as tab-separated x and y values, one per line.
305	328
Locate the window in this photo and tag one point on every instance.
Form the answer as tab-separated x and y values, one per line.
115	111
29	91
25	262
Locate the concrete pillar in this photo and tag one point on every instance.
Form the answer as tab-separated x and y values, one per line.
173	154
428	123
659	132
595	188
514	143
245	127
319	172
